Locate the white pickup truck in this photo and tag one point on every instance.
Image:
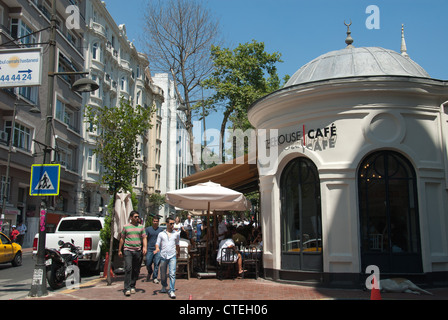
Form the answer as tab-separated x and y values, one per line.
85	232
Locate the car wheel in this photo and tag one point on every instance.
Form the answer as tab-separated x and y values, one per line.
17	260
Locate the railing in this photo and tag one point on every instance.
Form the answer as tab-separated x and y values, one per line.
98	28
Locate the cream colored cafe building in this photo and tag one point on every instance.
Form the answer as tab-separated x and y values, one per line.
362	170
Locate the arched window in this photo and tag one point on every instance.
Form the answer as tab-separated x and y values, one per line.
301	224
123	84
138	100
95	51
390	234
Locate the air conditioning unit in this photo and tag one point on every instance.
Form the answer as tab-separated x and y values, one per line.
3	137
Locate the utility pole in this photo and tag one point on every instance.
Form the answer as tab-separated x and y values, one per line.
39	281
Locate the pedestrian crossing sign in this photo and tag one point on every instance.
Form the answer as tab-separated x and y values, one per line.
45	179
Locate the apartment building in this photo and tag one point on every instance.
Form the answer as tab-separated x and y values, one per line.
121	72
100	46
174	151
28	21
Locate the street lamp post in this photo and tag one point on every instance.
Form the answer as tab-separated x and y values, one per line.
38	284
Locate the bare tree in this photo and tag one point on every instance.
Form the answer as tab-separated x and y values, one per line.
178	35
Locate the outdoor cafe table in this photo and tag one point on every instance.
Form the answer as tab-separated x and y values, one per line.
251	249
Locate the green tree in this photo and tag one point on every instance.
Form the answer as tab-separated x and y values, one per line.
117	131
155	201
240	77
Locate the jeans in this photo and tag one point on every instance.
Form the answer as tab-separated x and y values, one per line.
171	263
150	258
132	265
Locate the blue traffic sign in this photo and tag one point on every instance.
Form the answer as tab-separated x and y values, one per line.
45	179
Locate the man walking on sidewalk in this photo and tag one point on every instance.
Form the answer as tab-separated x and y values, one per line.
168	246
133	240
152	233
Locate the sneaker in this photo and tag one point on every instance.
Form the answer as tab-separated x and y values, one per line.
132	290
163	290
172	295
155	281
127	293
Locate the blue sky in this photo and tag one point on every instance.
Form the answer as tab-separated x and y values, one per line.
302	30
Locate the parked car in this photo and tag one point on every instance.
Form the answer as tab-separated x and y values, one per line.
162	225
85	233
10	251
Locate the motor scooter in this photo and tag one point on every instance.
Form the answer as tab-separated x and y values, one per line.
62	265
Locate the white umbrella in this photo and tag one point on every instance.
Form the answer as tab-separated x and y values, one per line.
123	208
208	196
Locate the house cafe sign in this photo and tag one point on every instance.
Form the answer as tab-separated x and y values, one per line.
312	138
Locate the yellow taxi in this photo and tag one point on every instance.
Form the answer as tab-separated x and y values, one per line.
10	251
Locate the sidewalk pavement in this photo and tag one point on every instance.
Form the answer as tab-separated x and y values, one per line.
226	289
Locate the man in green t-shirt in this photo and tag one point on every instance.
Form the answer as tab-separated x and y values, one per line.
134	243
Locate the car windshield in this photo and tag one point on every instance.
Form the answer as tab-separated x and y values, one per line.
80	225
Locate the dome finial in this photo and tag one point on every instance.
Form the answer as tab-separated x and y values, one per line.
403	43
349	39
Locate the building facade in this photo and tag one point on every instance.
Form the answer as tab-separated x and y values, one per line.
360	176
95	44
121	72
174	152
28	22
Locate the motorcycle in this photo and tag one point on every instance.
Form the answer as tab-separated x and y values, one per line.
62	265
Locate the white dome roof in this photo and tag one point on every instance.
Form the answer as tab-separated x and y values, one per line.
355	62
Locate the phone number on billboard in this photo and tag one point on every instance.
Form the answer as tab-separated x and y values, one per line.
18	77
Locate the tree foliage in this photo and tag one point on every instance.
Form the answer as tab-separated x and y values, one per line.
155	201
240	77
117	131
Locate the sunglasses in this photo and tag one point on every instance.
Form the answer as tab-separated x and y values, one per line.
171	223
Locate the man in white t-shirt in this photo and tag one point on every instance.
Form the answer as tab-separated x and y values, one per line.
228	243
168	246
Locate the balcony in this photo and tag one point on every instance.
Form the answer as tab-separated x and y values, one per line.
125	65
98	29
97	65
107	82
113	89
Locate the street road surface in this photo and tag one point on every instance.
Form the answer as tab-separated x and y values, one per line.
15	282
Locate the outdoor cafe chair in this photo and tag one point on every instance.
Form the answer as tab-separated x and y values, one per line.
184	261
228	260
251	260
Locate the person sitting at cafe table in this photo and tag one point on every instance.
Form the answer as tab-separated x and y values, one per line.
258	241
184	244
253	234
237	236
227	242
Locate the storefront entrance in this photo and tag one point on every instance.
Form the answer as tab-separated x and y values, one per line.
301	223
390	233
